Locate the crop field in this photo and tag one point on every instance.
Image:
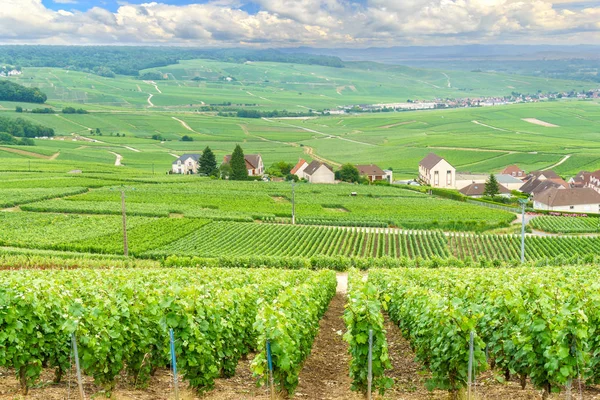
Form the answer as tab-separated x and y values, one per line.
538	325
121	320
566	224
315	204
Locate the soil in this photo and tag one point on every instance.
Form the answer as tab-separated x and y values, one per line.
536	121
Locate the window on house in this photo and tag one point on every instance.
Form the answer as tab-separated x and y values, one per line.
572	207
449	178
436	178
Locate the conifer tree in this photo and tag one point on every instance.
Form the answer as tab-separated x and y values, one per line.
208	163
238	165
491	187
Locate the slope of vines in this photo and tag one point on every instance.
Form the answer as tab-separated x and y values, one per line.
540	324
121	319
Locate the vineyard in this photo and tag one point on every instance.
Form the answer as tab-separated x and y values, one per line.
120	319
249	239
244	239
158	238
508	247
248	201
566	224
534	324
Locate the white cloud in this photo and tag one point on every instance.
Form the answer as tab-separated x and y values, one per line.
65	1
307	22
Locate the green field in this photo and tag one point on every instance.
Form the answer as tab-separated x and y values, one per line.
122	106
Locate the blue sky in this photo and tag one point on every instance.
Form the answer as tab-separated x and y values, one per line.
284	23
112	5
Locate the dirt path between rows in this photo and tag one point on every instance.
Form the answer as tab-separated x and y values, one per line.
325	374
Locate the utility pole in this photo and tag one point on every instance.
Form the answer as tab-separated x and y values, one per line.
523	203
293	203
125	247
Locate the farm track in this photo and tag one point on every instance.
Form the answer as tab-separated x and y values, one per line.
118	160
322	133
30	154
311	152
564	159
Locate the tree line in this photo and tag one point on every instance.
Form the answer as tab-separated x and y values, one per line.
20	127
110	60
10	91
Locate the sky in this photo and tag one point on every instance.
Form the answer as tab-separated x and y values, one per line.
291	23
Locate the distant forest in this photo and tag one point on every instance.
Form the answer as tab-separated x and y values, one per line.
20	127
110	60
10	91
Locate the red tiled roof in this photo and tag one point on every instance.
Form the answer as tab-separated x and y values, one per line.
298	166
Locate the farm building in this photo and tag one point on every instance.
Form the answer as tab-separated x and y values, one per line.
575	200
437	172
373	173
515	171
254	164
186	164
477	190
508	181
318	172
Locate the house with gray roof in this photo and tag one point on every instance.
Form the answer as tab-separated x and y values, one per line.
186	164
318	172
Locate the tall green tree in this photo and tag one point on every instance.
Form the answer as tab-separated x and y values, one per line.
349	173
208	163
491	187
238	165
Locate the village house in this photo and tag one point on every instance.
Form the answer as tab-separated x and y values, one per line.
476	190
186	164
539	181
299	168
437	172
373	173
582	179
594	181
515	171
254	164
584	200
318	172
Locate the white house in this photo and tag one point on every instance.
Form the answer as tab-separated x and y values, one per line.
584	200
186	164
254	164
437	172
299	168
318	172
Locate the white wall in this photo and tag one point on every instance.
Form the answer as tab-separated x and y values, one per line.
322	175
442	168
580	208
